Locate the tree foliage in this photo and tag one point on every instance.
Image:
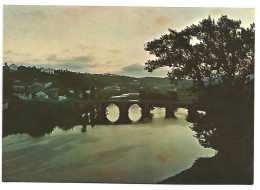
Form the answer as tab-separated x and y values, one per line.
224	53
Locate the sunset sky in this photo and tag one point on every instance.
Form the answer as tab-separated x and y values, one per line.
96	39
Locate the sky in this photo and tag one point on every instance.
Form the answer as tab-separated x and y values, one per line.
97	39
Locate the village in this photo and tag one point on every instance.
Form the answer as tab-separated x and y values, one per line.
36	90
47	84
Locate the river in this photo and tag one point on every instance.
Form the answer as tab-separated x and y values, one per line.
141	152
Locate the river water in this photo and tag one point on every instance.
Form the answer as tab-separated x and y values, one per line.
145	152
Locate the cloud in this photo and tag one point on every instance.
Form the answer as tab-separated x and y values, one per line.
83	47
162	20
27	64
133	68
8	52
97	31
65	50
6	58
74	63
28	54
79	59
35	14
79	62
51	57
137	70
113	50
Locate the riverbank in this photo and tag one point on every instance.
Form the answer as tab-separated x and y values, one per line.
220	169
229	129
39	118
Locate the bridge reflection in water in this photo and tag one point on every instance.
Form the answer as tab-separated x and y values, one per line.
95	112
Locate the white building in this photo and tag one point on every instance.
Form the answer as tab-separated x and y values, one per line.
16	81
13	67
114	88
62	98
47	85
80	95
41	95
36	84
23	96
26	97
47	70
18	87
5	106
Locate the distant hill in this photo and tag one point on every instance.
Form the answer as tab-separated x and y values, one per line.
69	79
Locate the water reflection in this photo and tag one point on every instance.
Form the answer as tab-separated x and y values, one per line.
158	112
146	152
112	112
135	113
228	128
29	119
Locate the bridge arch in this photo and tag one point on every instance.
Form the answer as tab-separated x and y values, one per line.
112	112
135	112
123	107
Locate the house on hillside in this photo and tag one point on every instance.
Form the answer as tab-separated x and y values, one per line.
25	97
20	91
136	82
112	88
80	95
53	93
22	95
35	87
36	84
41	96
47	70
18	86
62	98
13	67
47	85
5	105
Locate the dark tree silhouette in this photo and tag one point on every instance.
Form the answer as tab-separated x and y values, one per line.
221	65
223	54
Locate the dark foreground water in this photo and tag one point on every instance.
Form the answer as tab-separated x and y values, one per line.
146	152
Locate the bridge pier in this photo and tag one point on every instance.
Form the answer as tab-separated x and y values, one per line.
101	114
169	111
192	114
123	114
146	111
89	117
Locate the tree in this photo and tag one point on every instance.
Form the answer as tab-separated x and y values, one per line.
224	53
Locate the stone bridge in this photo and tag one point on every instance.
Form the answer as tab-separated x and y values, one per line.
124	105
